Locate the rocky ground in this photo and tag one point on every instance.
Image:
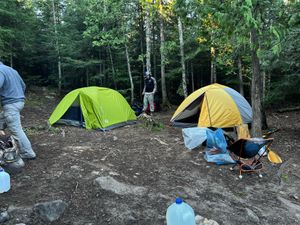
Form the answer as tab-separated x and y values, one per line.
132	174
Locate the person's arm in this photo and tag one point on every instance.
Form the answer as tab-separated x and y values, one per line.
155	85
144	90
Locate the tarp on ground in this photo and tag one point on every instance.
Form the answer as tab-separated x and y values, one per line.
194	136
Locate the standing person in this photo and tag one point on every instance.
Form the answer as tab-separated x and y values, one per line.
148	92
12	96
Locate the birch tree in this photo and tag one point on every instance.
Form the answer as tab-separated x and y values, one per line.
57	48
165	101
148	32
181	43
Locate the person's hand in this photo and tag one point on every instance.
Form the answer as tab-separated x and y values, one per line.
143	93
2	132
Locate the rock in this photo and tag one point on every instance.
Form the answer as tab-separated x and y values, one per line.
199	220
209	222
204	221
295	197
20	213
293	208
130	220
50	211
252	216
4	216
110	184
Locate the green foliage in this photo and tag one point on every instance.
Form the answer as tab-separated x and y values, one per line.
285	177
158	126
151	124
54	130
35	129
88	30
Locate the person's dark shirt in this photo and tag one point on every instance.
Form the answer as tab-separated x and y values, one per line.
149	84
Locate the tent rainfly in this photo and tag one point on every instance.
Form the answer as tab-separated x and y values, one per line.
93	108
214	105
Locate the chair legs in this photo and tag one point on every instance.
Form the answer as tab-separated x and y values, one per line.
252	164
255	167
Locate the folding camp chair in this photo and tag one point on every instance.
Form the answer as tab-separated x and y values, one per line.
246	150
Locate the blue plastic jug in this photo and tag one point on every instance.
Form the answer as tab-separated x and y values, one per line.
4	181
180	213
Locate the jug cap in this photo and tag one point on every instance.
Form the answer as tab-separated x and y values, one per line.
1	169
178	201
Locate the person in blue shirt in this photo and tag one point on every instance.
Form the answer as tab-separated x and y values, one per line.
149	91
12	94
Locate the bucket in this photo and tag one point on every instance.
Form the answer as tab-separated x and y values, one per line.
4	181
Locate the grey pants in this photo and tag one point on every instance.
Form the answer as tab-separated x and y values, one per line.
10	118
148	99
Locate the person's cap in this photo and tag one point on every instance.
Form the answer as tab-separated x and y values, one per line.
147	74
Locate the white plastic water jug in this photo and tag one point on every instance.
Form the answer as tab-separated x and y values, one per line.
4	181
180	213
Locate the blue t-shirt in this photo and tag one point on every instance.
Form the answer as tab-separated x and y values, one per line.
12	87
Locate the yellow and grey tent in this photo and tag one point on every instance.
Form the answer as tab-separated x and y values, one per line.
93	108
214	105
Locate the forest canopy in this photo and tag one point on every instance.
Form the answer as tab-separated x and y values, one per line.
186	44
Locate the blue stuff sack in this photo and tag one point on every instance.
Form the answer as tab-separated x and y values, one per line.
216	139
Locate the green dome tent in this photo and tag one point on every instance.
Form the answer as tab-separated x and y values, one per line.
93	108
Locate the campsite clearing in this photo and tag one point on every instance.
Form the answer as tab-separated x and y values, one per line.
131	174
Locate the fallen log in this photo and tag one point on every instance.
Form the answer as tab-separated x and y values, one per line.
289	109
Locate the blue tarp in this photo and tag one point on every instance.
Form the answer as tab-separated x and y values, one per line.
194	136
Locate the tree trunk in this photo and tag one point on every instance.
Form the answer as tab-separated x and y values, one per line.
57	48
268	82
264	124
263	74
153	51
11	59
100	68
192	77
104	65
256	87
165	101
148	42
129	74
241	86
213	74
142	38
112	67
59	71
181	42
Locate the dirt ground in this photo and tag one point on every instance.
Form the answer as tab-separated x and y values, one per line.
157	163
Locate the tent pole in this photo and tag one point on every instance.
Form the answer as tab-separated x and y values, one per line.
208	109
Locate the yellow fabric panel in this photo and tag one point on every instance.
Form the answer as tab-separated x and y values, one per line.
243	131
192	97
218	110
